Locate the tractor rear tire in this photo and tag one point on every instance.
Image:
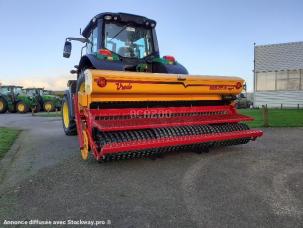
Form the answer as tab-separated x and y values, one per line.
49	106
22	107
69	124
3	105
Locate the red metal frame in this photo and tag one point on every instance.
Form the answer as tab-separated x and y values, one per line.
85	122
145	117
124	119
194	109
144	123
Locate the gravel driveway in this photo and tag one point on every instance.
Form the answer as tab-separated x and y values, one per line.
255	185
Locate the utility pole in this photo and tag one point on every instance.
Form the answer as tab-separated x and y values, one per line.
255	80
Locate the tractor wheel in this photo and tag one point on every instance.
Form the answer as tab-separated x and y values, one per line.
49	106
85	150
22	107
69	124
3	105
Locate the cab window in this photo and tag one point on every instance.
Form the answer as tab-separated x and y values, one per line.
92	46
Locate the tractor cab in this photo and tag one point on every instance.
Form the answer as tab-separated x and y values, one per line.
32	91
11	90
4	90
46	92
123	42
17	90
34	94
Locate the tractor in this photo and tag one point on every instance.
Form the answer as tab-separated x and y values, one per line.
243	101
13	99
51	102
44	100
129	102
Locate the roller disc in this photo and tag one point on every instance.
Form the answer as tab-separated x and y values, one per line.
166	133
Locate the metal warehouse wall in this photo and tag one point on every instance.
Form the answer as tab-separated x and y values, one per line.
274	99
274	57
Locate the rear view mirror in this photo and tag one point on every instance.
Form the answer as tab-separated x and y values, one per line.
67	49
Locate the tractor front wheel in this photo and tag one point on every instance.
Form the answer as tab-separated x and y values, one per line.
49	106
85	149
69	124
3	105
22	107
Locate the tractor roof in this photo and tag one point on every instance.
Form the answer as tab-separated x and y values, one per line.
122	17
33	88
10	86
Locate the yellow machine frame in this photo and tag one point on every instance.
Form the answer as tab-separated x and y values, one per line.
105	85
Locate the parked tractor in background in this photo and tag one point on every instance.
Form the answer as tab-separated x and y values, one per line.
243	101
13	99
50	101
45	101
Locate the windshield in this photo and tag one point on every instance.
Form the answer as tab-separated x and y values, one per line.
31	92
17	90
128	41
4	90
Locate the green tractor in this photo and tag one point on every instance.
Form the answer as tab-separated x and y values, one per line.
44	99
51	101
13	99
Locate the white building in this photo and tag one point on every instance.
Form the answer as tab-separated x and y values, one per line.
278	75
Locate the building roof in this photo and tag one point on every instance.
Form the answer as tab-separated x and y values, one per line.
274	57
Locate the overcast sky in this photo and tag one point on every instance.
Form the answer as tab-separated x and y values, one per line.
208	37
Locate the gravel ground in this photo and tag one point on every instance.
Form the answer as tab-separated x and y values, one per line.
255	185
